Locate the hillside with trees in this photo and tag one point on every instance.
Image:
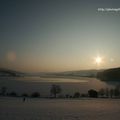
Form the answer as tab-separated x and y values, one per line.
10	73
109	74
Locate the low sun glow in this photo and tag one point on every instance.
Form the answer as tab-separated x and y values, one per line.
98	60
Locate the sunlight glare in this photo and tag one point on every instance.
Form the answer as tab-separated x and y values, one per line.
98	60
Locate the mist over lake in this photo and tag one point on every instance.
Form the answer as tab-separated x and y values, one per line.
43	85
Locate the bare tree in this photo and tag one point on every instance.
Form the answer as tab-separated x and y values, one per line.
101	92
76	95
55	89
92	93
117	91
111	92
35	94
107	92
3	91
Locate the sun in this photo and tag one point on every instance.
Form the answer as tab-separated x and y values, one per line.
98	60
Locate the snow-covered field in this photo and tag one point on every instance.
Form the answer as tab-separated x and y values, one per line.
51	109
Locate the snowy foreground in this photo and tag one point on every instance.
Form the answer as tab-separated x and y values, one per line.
51	109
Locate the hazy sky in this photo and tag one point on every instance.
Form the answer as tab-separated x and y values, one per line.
58	35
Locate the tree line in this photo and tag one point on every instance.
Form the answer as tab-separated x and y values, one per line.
56	92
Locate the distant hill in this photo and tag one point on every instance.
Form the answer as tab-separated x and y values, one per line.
80	73
9	73
109	74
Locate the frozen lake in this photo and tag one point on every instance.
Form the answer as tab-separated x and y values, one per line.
51	109
43	85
